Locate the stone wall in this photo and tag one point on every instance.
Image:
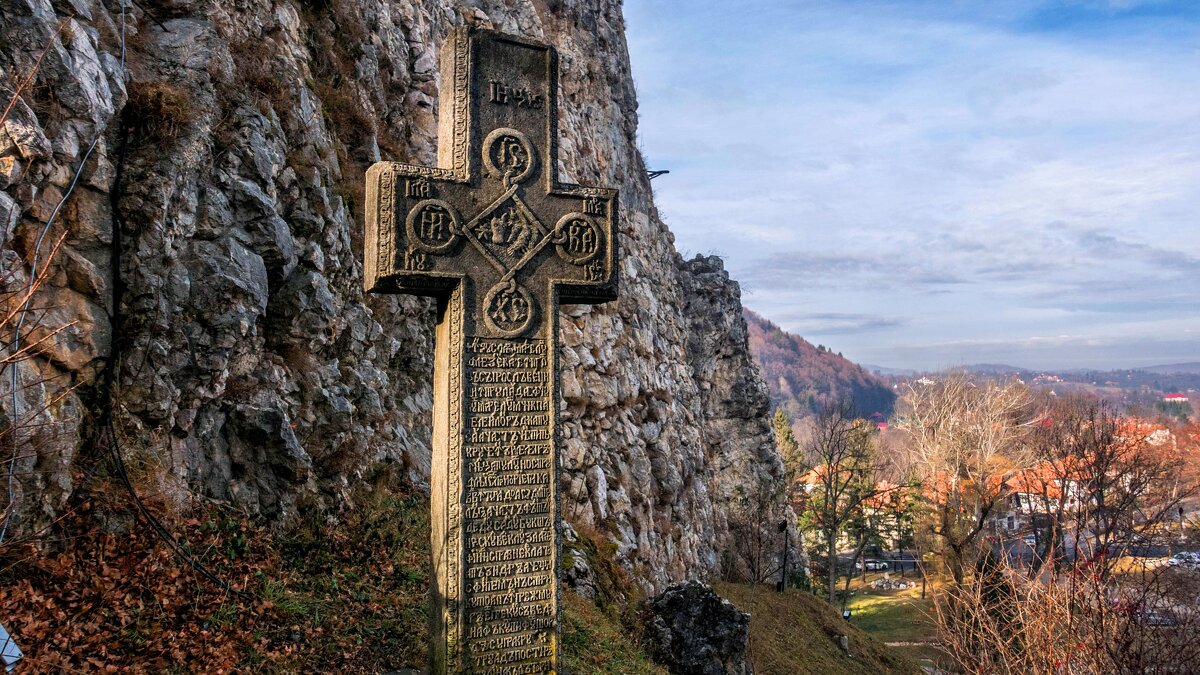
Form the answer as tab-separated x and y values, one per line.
224	290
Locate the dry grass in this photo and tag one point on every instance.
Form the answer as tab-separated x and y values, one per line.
900	616
157	111
256	78
794	633
593	643
894	616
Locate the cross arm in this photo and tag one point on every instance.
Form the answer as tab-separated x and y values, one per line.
391	261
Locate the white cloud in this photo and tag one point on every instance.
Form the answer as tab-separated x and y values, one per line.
929	167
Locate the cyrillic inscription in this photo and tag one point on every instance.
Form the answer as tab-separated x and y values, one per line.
503	94
594	206
418	188
508	506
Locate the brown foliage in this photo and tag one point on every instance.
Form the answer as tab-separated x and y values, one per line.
106	595
157	111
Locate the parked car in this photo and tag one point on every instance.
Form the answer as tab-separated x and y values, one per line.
1185	559
1154	617
876	565
1030	540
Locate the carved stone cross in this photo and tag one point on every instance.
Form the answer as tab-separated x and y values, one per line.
494	236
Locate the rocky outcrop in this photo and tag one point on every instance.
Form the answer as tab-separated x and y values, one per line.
736	408
693	631
211	264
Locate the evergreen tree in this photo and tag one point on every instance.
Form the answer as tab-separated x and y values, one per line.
785	440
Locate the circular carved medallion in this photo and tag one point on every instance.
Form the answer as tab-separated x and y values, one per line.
432	226
508	308
577	238
508	153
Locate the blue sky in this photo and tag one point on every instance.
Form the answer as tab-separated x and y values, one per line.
926	184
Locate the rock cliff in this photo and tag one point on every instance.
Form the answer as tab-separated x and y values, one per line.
209	280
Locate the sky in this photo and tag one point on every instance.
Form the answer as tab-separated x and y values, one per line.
925	184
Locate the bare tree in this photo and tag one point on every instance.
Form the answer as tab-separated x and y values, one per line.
755	550
963	436
845	474
754	553
1104	486
1000	620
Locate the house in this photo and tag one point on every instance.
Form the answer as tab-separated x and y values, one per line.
1026	495
1033	494
1147	434
1176	397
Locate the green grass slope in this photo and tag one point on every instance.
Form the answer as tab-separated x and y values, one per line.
593	643
794	633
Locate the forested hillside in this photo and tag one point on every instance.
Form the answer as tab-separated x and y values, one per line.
801	377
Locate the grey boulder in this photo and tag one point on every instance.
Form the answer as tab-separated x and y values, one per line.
693	631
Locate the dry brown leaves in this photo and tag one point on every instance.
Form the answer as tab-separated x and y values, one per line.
104	594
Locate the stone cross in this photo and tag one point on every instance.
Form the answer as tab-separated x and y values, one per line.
494	236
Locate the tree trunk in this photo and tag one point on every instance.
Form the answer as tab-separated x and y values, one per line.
831	543
956	565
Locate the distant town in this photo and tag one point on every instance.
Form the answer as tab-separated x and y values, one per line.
1170	390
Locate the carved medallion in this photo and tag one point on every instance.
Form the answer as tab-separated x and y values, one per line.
508	153
432	226
577	238
508	308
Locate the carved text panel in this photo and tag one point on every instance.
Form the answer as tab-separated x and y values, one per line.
508	510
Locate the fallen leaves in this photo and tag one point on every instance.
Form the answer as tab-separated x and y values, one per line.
103	594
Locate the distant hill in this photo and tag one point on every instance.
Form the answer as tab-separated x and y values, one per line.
1192	368
801	377
994	369
888	372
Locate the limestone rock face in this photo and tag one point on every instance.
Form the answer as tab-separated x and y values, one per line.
693	631
224	290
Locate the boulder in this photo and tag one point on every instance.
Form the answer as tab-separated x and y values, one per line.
693	631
